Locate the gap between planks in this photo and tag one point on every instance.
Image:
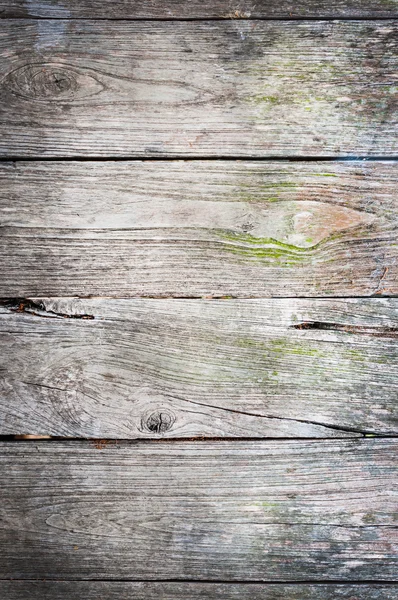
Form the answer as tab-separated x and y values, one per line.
187	158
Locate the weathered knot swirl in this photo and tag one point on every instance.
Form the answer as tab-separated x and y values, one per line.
51	81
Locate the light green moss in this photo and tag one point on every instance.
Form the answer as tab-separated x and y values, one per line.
279	347
284	346
355	355
325	175
265	249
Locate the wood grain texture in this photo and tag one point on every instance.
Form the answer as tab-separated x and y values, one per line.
254	511
233	88
198	228
183	368
112	590
196	9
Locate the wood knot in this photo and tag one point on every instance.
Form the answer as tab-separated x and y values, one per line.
51	81
158	421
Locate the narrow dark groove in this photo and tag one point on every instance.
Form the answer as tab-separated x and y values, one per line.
342	582
262	416
380	332
103	443
188	158
286	18
37	309
4	301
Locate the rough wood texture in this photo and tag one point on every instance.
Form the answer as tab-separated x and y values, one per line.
110	590
197	9
174	228
178	368
238	88
254	511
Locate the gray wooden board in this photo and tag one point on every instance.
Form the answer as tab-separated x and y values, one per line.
111	590
253	511
182	368
215	88
160	228
197	9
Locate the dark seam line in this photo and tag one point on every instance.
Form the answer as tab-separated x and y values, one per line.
204	298
342	582
112	442
187	158
285	19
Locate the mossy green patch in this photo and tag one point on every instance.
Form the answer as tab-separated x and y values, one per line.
265	249
355	355
280	347
269	99
369	518
258	193
284	346
325	175
249	343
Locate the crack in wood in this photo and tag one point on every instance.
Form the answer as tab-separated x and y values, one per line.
262	416
384	332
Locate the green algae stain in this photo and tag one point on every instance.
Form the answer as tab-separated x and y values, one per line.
283	346
269	99
267	250
258	193
268	504
280	347
325	175
249	343
355	355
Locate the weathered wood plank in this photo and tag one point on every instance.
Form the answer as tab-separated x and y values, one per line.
254	511
183	368
197	9
234	88
174	228
112	590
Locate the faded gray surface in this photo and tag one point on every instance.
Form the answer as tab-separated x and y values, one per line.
213	519
182	368
194	9
110	590
233	88
253	511
199	228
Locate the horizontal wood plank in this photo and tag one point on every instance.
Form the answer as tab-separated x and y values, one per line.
253	511
199	228
182	368
215	88
112	590
197	9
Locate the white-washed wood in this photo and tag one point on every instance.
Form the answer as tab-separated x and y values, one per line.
253	511
197	9
115	590
220	88
160	228
181	368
